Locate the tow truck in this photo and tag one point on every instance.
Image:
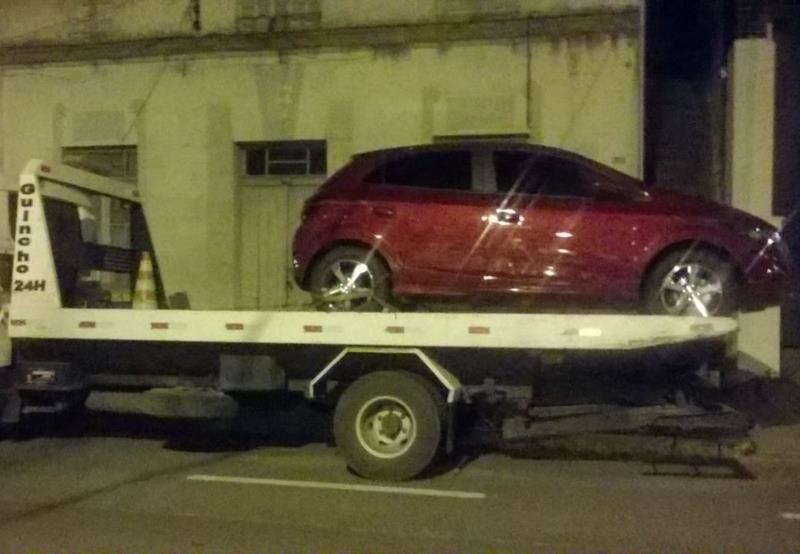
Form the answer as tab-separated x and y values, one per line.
397	381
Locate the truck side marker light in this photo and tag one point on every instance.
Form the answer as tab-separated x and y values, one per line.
479	330
234	326
159	325
87	325
583	332
18	322
396	329
312	328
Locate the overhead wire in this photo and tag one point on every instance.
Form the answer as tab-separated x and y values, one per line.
161	71
187	14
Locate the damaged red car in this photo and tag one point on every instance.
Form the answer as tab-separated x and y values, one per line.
525	225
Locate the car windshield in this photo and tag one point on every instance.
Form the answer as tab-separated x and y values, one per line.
616	179
563	168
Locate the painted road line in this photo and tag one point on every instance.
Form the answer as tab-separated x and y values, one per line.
791	515
465	495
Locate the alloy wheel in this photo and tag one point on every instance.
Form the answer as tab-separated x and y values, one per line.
347	284
691	289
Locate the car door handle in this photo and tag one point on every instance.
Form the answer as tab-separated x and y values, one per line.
383	211
506	216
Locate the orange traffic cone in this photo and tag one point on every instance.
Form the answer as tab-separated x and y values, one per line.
144	295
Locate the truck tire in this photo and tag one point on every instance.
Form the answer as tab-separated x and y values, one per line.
388	425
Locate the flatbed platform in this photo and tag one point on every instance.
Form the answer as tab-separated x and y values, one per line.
465	330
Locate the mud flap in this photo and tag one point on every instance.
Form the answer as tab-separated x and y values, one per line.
10	409
450	438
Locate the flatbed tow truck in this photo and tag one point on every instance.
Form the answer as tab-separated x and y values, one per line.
397	380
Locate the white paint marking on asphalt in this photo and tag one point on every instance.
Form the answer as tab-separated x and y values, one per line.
465	495
791	515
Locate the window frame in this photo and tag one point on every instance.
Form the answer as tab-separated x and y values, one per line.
591	175
267	178
107	228
130	154
470	151
526	166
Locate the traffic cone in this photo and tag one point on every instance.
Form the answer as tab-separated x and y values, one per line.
144	295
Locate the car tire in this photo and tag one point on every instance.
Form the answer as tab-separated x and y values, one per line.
389	425
370	289
685	280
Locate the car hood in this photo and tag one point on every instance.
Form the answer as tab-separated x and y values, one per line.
670	202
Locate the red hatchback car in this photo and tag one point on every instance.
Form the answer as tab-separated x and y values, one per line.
498	221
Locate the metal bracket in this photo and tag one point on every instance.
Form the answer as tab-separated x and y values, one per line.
449	381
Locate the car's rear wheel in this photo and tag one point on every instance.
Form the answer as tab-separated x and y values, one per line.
691	282
349	278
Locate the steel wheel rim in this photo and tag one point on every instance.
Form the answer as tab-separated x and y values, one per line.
347	284
691	289
386	427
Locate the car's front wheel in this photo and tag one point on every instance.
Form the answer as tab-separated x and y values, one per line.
691	282
349	278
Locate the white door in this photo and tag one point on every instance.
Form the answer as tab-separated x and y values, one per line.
268	216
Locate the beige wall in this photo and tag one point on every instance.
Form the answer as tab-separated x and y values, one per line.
186	114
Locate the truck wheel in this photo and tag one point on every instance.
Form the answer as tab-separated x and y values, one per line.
388	425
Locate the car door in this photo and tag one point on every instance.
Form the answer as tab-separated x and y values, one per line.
427	217
566	233
501	246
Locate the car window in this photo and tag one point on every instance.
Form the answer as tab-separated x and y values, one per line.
451	170
508	166
552	176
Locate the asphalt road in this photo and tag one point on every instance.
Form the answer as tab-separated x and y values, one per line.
134	489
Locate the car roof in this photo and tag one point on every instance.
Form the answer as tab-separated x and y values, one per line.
491	145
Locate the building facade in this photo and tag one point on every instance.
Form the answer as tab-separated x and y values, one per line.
228	114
